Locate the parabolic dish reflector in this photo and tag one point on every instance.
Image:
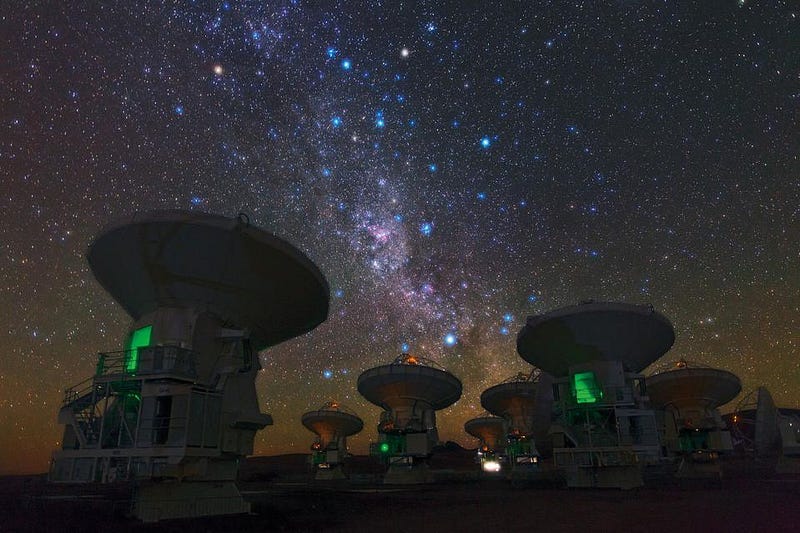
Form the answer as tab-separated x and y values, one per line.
687	387
242	274
635	335
332	423
525	404
514	398
489	429
398	385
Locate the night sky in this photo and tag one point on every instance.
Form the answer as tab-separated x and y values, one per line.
451	169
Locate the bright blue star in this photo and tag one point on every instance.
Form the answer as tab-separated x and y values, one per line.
645	288
504	330
549	43
432	167
336	122
256	35
499	80
338	293
347	64
532	298
379	123
326	172
398	218
331	52
508	317
481	196
179	109
327	374
404	347
426	228
196	200
226	6
430	27
412	122
455	123
450	339
486	142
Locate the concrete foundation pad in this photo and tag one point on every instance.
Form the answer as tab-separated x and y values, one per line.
404	475
161	501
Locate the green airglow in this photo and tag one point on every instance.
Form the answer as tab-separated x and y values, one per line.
138	339
586	388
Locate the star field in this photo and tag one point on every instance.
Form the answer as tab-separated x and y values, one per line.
451	169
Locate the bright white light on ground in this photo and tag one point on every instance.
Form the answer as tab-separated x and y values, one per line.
491	466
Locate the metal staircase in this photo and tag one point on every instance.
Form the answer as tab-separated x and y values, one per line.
79	409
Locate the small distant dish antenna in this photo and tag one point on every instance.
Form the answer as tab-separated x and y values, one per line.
332	422
410	390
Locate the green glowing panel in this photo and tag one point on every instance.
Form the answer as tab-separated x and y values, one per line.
138	339
586	389
319	458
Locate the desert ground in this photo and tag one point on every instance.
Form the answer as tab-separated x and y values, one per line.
283	499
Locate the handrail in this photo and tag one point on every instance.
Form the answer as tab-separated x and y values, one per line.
77	391
128	364
147	360
611	396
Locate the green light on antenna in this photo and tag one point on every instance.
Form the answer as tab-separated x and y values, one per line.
586	389
138	339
